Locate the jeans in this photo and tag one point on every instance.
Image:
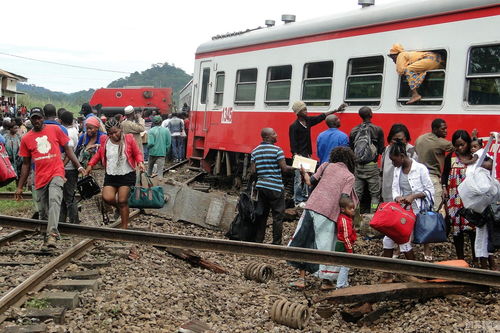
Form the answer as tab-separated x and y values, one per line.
178	147
343	278
273	201
145	151
69	207
368	175
160	161
300	189
49	200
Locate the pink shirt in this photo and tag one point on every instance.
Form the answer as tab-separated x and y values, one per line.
334	179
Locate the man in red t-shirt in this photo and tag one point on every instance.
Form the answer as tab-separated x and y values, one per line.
42	146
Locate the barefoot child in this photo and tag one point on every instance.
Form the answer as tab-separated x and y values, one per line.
346	236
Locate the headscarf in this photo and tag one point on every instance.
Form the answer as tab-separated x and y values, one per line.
396	48
94	121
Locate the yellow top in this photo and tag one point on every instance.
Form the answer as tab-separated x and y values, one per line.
407	58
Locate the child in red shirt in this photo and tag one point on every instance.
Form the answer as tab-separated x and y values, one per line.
346	236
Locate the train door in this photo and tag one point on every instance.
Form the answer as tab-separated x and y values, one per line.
201	98
205	84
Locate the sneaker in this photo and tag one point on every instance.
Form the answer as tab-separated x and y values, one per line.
301	205
51	241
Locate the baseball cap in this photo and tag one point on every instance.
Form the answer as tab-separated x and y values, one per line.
36	111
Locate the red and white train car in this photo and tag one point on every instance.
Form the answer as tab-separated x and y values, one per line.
249	81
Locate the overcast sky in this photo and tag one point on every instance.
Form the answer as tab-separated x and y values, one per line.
129	35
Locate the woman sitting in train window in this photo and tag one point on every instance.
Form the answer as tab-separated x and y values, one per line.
414	65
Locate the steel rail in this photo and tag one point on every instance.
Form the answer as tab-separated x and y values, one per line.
34	282
13	236
469	275
26	196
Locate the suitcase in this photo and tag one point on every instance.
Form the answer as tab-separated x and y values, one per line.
394	221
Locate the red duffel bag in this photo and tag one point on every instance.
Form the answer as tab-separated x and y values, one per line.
394	221
7	173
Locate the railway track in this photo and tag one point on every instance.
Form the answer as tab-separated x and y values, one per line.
35	282
468	275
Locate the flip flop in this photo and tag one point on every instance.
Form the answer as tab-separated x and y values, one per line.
297	284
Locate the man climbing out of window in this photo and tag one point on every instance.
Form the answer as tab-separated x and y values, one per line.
414	65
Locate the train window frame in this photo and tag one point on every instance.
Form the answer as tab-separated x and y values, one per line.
205	82
246	83
278	102
426	101
219	94
306	78
375	102
469	77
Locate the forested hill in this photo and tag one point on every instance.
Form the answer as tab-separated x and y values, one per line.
42	93
159	75
39	96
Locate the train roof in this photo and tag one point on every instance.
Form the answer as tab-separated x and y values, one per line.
360	18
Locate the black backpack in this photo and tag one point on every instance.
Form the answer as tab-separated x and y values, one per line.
243	226
364	149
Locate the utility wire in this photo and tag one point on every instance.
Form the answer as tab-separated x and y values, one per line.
61	64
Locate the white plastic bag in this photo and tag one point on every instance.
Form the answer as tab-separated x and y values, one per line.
479	189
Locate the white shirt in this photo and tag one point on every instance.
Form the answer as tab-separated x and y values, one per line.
73	142
116	165
165	123
419	180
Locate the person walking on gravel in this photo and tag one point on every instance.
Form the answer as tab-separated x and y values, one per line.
42	146
158	145
120	156
268	162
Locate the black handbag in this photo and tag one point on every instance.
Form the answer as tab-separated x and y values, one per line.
87	187
475	218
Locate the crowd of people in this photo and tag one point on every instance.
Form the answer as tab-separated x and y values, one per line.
360	164
49	149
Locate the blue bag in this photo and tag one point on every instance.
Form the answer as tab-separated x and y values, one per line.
430	226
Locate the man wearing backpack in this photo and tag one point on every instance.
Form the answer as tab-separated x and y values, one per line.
367	142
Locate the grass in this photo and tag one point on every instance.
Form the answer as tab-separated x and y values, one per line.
13	207
37	303
31	102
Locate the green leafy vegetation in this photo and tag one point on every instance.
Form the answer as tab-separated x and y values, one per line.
158	76
13	207
37	303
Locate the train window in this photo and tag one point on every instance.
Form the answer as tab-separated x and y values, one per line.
204	85
483	75
219	88
432	88
364	80
279	79
317	83
246	84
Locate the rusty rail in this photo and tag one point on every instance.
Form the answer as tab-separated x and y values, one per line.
468	275
26	196
12	237
35	281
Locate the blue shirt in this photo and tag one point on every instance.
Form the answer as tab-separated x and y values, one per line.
53	122
266	157
329	139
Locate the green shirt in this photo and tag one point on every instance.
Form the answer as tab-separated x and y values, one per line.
159	141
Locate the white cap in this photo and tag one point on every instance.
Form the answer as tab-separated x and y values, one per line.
129	109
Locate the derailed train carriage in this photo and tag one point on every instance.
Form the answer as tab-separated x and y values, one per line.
247	81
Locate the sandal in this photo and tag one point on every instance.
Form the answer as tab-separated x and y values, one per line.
299	284
428	258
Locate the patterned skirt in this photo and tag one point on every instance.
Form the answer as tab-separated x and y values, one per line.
415	73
